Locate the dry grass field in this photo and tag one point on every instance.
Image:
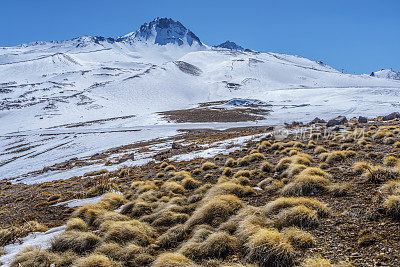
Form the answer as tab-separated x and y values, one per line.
312	198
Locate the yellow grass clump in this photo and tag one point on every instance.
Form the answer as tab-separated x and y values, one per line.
76	224
172	260
32	256
215	210
316	261
172	237
391	187
306	185
230	162
299	238
267	167
95	260
228	188
208	166
268	247
293	170
281	203
173	187
390	161
76	241
169	168
122	232
360	167
190	183
299	216
392	206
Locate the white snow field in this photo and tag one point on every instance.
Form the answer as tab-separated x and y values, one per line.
75	98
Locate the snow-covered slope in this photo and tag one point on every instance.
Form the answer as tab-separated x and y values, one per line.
109	85
387	74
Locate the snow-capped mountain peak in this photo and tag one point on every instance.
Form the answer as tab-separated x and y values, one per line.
387	74
163	31
230	45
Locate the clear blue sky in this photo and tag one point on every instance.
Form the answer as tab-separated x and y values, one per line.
359	36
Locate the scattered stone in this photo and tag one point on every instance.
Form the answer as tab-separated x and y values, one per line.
336	121
317	120
362	119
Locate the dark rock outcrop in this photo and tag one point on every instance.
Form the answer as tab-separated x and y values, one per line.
391	116
362	119
337	121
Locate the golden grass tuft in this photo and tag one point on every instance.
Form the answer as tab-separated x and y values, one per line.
137	208
173	187
111	250
274	207
227	171
316	261
332	157
32	256
230	162
140	187
245	173
172	260
95	260
122	232
248	225
315	171
306	185
254	157
196	171
172	237
76	224
379	174
283	164
208	166
228	188
270	185
391	187
299	238
217	245
268	247
89	212
360	167
76	241
215	210
169	218
299	216
293	170
390	161
389	140
179	176
169	168
392	206
109	216
190	183
160	175
267	167
112	200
